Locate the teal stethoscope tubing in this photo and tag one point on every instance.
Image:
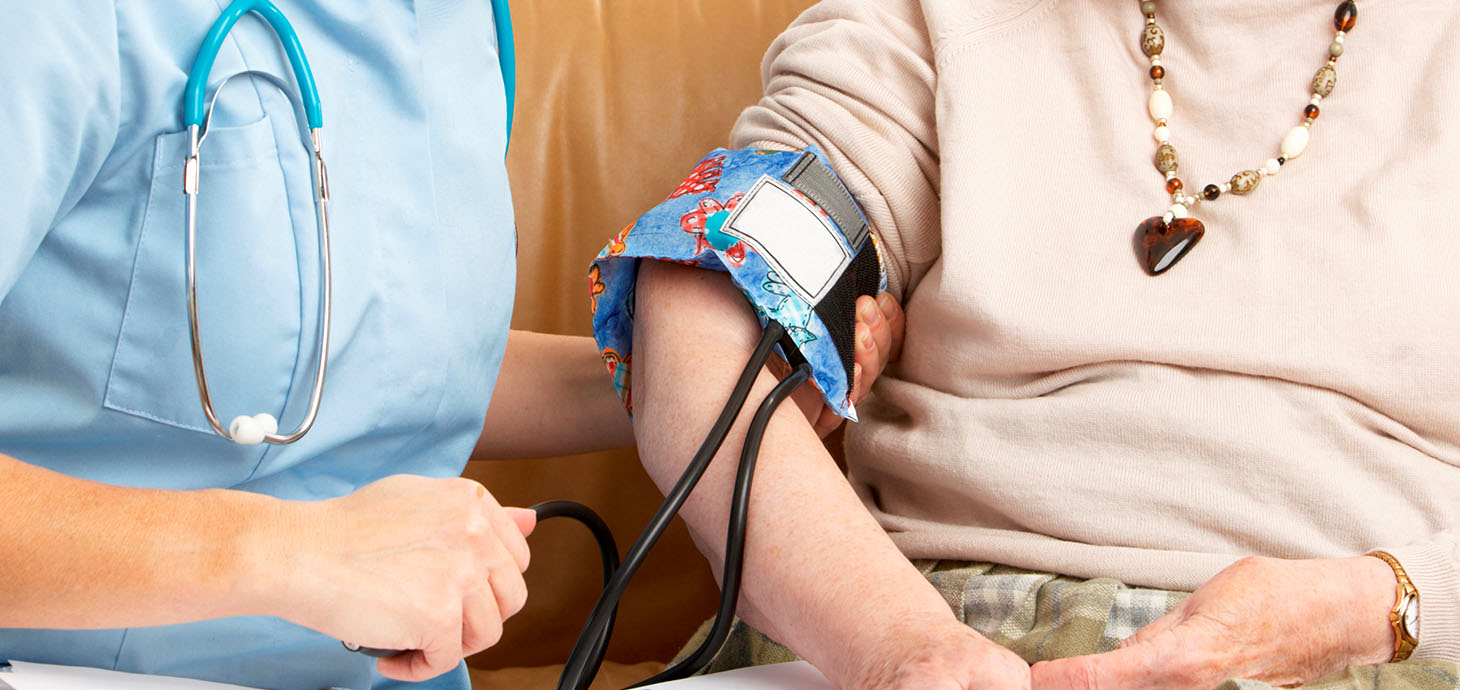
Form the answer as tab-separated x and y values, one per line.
506	57
194	95
263	427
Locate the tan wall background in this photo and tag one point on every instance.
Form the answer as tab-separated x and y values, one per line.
616	101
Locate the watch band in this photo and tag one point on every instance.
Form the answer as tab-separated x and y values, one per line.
1405	596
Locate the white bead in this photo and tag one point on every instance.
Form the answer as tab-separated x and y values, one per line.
1272	166
1168	217
1338	37
1177	211
245	430
1160	105
1226	187
1295	142
1163	134
267	422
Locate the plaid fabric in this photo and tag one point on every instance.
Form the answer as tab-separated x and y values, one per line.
1040	616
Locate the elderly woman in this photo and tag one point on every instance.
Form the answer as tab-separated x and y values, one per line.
1179	319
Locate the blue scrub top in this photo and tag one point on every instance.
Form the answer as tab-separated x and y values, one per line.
96	379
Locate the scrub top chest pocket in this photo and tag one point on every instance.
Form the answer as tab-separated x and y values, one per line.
249	282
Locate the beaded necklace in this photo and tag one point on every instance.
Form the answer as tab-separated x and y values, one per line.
1165	239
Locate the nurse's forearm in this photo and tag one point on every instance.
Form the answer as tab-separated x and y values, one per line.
553	397
406	562
79	554
821	575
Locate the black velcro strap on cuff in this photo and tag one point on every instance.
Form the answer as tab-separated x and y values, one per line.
838	310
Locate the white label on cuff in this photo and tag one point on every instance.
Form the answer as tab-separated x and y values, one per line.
795	238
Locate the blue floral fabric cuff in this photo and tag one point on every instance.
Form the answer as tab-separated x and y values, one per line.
785	230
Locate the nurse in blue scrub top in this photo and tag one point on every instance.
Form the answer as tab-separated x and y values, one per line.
119	549
135	538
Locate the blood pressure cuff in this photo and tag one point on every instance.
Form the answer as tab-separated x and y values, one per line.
790	236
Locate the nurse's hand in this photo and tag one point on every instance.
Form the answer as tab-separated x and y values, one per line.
879	331
429	565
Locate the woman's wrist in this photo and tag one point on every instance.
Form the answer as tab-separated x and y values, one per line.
935	650
1372	591
885	631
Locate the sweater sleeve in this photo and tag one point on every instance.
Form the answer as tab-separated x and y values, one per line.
856	78
1434	568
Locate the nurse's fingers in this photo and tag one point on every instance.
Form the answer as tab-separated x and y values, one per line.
826	420
506	528
870	313
869	362
525	518
505	559
508	589
896	324
440	653
481	622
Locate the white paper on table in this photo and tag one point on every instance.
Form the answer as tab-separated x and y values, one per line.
29	676
797	675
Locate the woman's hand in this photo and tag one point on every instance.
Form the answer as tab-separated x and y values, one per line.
938	654
878	341
1279	621
433	566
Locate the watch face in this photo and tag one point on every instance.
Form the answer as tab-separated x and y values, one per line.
1411	617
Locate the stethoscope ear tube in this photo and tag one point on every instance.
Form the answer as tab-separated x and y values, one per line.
198	113
195	91
506	57
261	427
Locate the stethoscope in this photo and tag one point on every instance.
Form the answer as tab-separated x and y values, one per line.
263	427
592	644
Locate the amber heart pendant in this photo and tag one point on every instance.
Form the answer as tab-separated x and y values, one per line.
1163	244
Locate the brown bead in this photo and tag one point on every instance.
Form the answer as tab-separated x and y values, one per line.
1325	80
1346	16
1153	40
1173	185
1245	181
1211	192
1166	160
1158	72
1311	112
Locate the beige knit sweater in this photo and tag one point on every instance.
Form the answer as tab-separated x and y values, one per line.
1291	388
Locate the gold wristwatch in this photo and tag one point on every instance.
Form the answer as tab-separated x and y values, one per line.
1404	617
